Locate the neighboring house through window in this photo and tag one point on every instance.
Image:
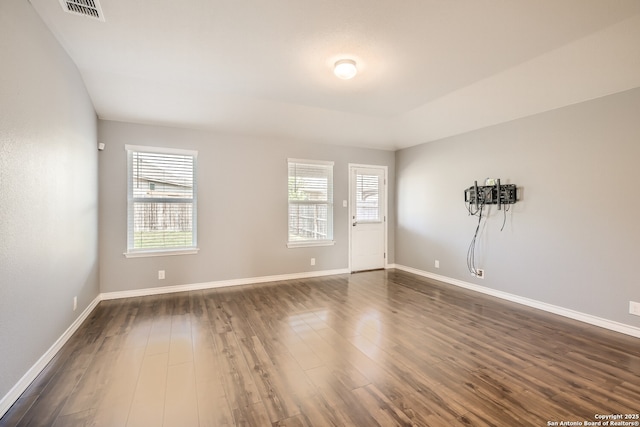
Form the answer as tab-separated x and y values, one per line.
161	197
310	203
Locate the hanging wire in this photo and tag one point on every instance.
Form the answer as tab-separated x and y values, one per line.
504	219
478	211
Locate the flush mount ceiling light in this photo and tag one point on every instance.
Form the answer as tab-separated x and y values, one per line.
345	69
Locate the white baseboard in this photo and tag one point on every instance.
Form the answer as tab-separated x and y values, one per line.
218	284
17	390
566	312
24	382
13	395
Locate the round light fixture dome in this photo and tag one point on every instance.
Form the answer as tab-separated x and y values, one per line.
345	69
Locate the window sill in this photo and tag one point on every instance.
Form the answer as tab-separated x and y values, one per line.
310	243
162	252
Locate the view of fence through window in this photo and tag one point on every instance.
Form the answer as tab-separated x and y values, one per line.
162	195
310	201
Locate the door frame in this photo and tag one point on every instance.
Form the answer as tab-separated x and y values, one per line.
385	169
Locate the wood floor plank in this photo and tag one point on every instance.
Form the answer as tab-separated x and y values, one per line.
180	341
332	387
218	318
18	410
213	407
254	414
114	403
181	400
426	408
76	419
383	410
342	369
239	384
50	402
91	387
295	421
147	407
316	411
370	349
159	339
275	394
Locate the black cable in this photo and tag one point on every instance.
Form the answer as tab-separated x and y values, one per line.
469	206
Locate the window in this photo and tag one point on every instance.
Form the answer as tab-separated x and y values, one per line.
310	203
368	208
161	196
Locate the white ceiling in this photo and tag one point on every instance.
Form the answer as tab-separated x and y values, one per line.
427	68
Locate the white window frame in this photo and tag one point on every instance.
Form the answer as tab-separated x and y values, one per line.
329	203
149	252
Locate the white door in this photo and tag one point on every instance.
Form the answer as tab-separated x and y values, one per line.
368	217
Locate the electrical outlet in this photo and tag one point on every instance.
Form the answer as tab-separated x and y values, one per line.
437	264
313	261
634	308
75	303
479	273
161	274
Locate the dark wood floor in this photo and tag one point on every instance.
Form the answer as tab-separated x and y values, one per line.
379	348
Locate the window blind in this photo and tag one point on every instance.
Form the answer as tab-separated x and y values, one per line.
368	207
161	199
310	201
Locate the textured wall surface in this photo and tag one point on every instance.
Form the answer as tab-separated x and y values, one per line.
48	192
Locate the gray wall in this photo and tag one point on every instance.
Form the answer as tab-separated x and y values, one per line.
571	241
48	192
242	207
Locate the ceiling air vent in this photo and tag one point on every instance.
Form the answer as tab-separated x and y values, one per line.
90	8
